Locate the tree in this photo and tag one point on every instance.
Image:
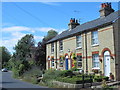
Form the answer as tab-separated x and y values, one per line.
23	55
50	35
23	47
4	56
40	52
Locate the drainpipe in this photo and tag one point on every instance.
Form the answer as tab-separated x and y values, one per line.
56	54
86	52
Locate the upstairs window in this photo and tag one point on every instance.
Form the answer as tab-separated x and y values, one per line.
94	37
52	47
79	41
95	59
61	45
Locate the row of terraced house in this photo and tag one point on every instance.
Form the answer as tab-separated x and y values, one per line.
91	46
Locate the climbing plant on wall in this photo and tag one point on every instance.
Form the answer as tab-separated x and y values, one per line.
74	62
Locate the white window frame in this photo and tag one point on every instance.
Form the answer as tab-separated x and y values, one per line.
61	62
52	47
78	61
52	62
94	37
95	61
79	41
61	45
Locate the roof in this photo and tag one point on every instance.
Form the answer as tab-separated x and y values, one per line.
87	26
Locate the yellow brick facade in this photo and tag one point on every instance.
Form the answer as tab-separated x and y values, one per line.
106	43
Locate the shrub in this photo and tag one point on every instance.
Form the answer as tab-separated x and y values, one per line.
100	78
66	73
74	80
51	74
32	75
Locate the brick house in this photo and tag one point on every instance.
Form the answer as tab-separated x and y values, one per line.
91	46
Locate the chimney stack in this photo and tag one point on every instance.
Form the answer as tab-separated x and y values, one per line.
106	9
73	23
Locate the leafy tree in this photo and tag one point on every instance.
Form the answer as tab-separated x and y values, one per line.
4	56
40	50
20	60
50	35
23	47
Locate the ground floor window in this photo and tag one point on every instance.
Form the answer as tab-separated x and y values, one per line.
52	62
79	61
95	59
61	61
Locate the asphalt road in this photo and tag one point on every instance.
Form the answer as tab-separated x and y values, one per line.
9	82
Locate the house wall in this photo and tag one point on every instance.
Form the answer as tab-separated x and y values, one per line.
106	42
117	47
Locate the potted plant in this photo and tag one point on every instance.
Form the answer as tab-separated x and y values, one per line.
95	70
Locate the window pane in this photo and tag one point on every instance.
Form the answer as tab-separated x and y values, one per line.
60	45
52	47
78	41
95	37
95	60
79	61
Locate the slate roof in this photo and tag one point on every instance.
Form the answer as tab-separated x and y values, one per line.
88	26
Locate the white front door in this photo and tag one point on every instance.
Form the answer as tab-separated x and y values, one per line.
107	63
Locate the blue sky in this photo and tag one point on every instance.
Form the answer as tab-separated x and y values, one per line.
20	18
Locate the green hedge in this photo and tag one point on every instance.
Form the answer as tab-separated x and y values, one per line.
74	80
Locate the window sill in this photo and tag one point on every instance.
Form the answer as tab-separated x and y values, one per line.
61	51
52	52
96	68
78	48
94	45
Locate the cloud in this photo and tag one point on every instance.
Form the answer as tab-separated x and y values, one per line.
11	34
44	29
11	41
7	24
18	34
29	29
16	28
51	3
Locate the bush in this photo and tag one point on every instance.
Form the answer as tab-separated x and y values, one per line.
66	73
74	80
100	78
32	75
51	74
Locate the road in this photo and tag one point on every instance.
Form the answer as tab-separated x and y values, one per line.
9	82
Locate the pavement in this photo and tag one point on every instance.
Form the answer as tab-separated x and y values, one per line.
9	83
114	83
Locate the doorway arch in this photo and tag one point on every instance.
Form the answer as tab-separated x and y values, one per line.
107	63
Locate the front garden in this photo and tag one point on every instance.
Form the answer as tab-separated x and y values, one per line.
65	76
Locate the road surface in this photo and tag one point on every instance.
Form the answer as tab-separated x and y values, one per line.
9	82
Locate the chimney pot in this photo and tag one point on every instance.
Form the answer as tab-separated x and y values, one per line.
73	23
106	9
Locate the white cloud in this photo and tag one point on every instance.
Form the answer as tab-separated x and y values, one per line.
18	34
7	24
29	29
38	38
14	33
15	28
44	29
51	3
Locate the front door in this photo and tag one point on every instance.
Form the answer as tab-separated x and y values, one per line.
66	63
107	63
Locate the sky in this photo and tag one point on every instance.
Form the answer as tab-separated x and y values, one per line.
21	18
